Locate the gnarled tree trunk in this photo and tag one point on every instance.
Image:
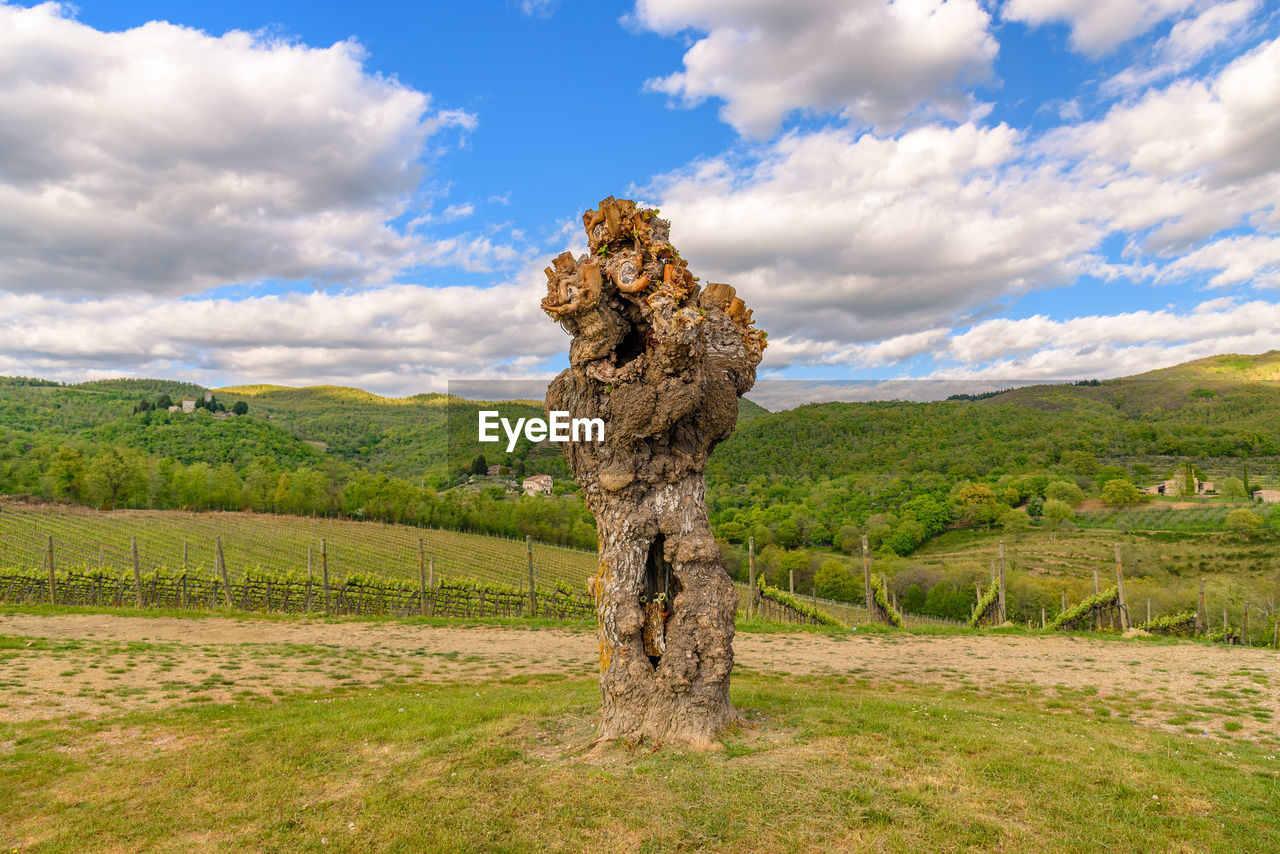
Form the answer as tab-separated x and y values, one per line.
662	361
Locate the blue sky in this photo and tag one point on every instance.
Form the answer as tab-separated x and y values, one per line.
365	195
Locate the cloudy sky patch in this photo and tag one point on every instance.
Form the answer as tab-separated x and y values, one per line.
278	193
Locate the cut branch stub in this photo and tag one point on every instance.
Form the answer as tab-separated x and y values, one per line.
662	361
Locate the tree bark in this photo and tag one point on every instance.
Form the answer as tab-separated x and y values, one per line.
662	361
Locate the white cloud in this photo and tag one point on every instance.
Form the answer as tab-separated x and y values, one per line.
840	240
538	8
1251	258
835	237
1097	25
164	160
399	339
1188	42
871	61
1113	345
1223	129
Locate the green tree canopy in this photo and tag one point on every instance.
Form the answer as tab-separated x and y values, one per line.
1243	522
1064	491
1120	493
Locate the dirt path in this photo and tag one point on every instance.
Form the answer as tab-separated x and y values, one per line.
96	664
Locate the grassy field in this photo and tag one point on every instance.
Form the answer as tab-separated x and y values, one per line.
273	544
392	739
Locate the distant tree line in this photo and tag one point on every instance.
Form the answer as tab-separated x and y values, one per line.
110	476
163	402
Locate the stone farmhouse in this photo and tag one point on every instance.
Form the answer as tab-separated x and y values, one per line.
1177	486
539	484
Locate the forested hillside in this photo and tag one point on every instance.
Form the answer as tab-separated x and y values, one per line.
805	483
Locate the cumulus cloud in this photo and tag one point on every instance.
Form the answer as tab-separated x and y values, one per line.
1039	348
1097	25
868	60
1186	161
850	244
165	160
1188	42
1251	258
398	339
836	237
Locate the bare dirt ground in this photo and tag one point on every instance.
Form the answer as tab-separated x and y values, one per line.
55	666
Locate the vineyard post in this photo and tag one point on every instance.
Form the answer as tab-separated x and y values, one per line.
137	573
185	549
1275	635
1097	613
1202	615
1121	599
791	576
1064	601
1148	610
751	575
1224	623
866	573
222	571
1043	621
53	596
1003	612
310	579
324	573
533	593
422	579
1244	626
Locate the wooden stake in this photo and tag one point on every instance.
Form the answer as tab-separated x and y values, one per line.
1064	601
185	546
1004	614
1043	621
1202	615
310	579
1148	610
48	559
791	576
324	574
422	579
751	575
1275	635
533	592
1097	615
1244	626
137	572
222	571
866	573
1121	600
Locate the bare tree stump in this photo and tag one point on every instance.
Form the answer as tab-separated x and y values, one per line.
662	361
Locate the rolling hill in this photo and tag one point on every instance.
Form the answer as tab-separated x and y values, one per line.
818	476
